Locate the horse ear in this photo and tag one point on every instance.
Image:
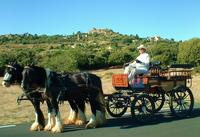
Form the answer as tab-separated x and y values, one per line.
27	64
32	64
12	63
15	62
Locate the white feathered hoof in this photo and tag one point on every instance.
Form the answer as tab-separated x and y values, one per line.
36	127
48	127
51	122
80	122
81	118
69	122
57	129
72	118
91	123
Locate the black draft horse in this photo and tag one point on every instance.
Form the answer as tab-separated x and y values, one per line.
12	74
75	88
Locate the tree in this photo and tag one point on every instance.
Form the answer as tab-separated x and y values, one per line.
165	52
189	52
60	61
119	57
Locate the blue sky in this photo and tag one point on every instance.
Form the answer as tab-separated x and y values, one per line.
178	19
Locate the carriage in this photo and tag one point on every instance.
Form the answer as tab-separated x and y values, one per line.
147	94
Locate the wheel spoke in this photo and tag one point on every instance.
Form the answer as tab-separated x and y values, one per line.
179	108
176	106
186	96
184	107
177	93
188	104
157	104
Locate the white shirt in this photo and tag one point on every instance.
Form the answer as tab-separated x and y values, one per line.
145	59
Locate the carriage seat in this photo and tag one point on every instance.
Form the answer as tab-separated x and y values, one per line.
154	68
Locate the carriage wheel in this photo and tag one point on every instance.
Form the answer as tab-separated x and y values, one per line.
158	97
117	104
142	108
181	101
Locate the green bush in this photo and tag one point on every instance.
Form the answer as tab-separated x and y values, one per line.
189	52
119	57
60	61
26	56
165	52
4	59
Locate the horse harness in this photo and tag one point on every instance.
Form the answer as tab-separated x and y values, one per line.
63	89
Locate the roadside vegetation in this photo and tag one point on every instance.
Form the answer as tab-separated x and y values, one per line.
96	49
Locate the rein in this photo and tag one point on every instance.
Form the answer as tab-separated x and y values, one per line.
28	95
10	66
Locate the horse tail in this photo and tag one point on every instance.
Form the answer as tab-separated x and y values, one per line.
97	84
94	82
101	116
100	99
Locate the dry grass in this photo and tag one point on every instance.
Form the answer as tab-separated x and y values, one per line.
12	113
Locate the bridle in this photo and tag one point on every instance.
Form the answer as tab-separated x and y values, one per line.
9	74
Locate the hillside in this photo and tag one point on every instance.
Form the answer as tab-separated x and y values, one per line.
96	49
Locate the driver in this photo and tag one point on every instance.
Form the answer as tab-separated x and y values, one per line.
140	65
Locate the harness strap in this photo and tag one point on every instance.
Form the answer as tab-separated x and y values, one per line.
48	79
86	76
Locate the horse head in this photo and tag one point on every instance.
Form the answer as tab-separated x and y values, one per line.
12	74
33	77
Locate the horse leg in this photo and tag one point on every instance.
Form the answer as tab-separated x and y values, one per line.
81	118
98	110
73	113
51	119
100	106
92	121
39	117
58	125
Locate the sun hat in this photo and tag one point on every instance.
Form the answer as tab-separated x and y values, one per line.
141	47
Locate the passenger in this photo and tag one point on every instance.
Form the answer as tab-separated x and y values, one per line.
140	65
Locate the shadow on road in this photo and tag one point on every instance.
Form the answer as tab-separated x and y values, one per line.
126	122
162	117
69	128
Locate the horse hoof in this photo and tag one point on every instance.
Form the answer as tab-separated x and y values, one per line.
69	122
57	129
90	125
48	127
36	127
79	122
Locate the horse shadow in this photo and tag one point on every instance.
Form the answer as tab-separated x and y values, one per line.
70	128
161	117
126	122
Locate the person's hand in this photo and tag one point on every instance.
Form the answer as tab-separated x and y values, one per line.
137	61
126	64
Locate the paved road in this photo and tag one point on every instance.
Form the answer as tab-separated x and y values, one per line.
164	125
